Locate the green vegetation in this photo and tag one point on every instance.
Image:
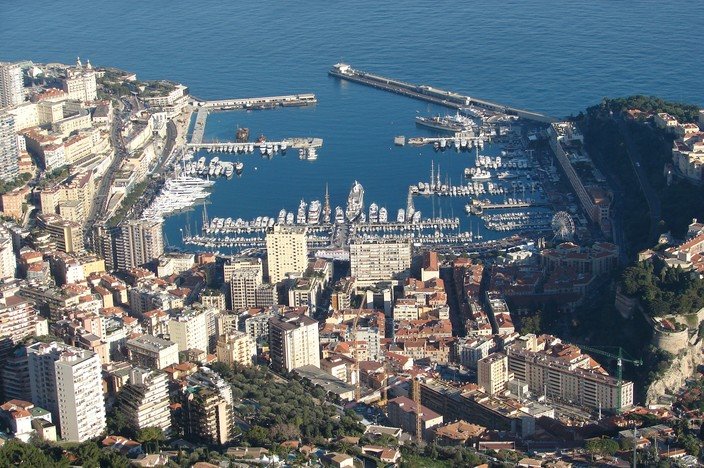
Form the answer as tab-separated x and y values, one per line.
662	290
52	177
601	447
127	203
19	181
41	454
433	455
652	105
276	411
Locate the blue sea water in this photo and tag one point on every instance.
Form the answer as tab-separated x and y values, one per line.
550	56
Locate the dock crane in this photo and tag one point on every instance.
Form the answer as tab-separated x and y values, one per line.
620	359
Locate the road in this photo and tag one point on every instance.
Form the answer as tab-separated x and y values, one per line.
651	197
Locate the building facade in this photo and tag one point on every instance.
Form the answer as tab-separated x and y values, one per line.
138	242
287	251
293	341
374	261
67	381
11	85
145	400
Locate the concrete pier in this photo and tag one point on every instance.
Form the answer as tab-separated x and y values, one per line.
268	102
430	94
199	126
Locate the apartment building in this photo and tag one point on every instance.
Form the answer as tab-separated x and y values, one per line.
67	381
287	251
293	341
374	261
145	400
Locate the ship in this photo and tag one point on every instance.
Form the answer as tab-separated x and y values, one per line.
449	123
401	217
301	216
242	135
314	212
282	217
339	215
383	215
481	175
373	213
416	217
355	202
289	218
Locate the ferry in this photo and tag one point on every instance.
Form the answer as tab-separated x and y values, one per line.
355	202
301	216
383	215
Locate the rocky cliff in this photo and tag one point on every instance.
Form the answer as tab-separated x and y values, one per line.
683	367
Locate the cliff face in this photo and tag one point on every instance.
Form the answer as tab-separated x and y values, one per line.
682	368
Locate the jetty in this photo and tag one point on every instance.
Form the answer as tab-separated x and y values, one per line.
430	94
199	126
256	103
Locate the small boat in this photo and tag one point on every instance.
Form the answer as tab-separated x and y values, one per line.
239	166
401	216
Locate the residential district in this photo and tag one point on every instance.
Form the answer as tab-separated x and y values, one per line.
408	353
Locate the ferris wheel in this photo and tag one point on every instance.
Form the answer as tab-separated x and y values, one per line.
563	226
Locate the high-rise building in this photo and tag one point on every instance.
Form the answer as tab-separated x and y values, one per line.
9	149
243	286
236	347
8	261
374	261
68	382
206	407
10	84
67	235
189	329
138	242
18	320
287	251
492	373
293	341
145	400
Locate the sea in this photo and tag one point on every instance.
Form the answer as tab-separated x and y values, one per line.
550	56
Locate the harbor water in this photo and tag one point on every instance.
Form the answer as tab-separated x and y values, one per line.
543	55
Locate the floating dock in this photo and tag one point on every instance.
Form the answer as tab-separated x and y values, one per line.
224	146
254	103
430	94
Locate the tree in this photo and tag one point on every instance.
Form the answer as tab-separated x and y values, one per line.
601	447
258	436
531	324
88	454
16	453
151	438
282	432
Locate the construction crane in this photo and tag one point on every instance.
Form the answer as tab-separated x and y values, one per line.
620	359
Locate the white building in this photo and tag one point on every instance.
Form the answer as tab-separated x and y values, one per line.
374	261
492	373
67	381
287	251
189	330
9	149
293	341
8	261
11	87
152	352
